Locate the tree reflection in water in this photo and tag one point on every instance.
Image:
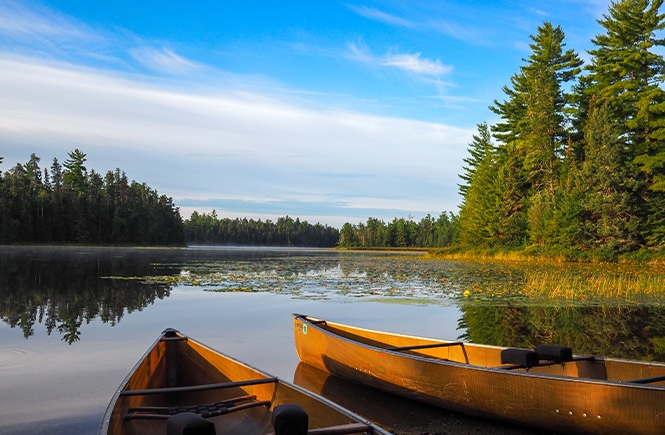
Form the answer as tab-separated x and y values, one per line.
65	288
636	332
61	287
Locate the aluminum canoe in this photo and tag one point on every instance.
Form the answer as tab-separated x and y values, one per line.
549	388
183	386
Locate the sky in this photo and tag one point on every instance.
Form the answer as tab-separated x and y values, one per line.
328	111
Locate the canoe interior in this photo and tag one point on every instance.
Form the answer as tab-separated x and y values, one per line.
183	362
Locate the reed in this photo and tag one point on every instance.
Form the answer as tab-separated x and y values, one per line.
583	284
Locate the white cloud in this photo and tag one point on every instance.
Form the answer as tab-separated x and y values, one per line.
377	15
164	60
225	145
414	64
410	63
20	22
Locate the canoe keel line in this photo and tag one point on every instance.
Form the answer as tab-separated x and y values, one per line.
181	386
547	387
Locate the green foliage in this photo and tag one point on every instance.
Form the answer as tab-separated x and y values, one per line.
208	229
401	233
579	162
77	206
479	213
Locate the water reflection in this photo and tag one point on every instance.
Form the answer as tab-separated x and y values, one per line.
622	331
61	288
65	288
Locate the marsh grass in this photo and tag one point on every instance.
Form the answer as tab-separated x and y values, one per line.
577	284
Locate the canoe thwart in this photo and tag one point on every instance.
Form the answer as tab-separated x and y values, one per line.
203	387
558	354
430	346
343	429
647	380
426	346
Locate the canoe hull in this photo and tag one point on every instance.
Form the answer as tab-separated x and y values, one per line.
554	398
178	372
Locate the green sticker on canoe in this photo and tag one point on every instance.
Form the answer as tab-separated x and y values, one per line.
304	329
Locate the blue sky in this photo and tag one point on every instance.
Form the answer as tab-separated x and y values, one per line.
330	111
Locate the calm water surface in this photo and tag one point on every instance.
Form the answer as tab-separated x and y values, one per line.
76	320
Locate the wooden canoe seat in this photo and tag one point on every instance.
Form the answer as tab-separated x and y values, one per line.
206	411
558	354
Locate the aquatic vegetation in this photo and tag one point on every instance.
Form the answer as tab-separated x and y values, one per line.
420	279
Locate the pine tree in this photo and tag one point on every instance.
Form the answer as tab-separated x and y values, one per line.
609	221
626	73
479	212
533	133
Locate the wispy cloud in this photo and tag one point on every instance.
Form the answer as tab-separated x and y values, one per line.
19	22
414	64
211	146
163	60
411	63
377	15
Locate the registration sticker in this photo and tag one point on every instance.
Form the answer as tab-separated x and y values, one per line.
304	329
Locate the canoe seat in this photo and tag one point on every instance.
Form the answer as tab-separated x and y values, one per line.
188	423
519	358
207	410
289	419
558	354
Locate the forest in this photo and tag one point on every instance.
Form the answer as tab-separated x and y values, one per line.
208	229
401	233
576	164
67	204
70	205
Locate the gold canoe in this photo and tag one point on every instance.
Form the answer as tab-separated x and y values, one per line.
547	388
182	386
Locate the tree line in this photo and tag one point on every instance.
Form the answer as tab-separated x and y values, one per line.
576	163
209	229
401	233
69	204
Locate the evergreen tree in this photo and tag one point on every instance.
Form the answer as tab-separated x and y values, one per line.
533	133
479	212
626	73
609	222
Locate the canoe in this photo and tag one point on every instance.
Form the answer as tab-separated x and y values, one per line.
548	387
181	386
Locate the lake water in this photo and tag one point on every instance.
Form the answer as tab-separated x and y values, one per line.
76	320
